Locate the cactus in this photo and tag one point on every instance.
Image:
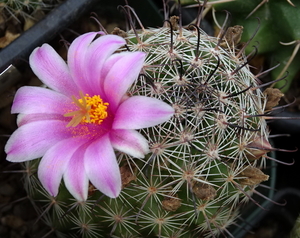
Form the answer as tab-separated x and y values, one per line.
23	8
205	162
17	16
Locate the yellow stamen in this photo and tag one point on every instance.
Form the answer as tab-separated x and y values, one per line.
91	110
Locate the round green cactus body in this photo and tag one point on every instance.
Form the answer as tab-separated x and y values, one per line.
204	162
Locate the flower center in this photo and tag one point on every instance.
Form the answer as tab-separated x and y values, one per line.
91	110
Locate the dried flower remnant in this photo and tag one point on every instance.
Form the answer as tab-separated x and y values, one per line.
127	175
204	191
174	22
253	176
258	148
117	31
273	97
76	126
232	36
171	203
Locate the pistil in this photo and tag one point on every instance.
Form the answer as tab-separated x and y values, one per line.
90	110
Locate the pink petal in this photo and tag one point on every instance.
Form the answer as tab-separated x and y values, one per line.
40	100
54	163
32	140
102	167
98	52
23	119
121	75
77	58
130	142
139	112
110	62
75	178
52	70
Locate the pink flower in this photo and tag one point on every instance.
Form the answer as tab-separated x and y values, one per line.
76	126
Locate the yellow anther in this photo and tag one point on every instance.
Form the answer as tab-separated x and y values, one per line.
91	110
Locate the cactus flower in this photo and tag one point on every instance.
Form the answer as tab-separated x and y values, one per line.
86	114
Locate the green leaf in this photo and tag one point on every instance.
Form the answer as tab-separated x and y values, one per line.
283	55
286	20
238	8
